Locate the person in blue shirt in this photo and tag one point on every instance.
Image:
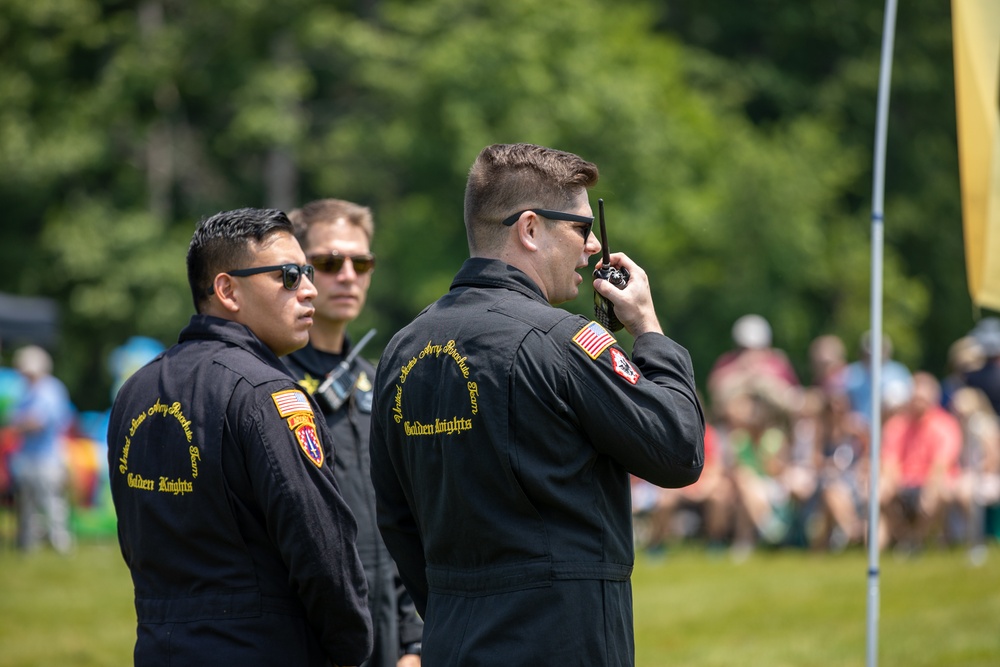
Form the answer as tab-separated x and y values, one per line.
896	382
38	467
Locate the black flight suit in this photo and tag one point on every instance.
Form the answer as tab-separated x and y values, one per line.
240	546
397	625
503	434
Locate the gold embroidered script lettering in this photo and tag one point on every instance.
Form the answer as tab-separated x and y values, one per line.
166	485
454	425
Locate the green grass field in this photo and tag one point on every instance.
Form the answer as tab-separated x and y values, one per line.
792	608
691	608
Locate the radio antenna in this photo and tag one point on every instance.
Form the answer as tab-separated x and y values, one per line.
605	253
345	364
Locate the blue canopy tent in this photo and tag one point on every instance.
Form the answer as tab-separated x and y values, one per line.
25	320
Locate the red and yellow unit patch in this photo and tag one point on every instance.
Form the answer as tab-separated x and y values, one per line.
624	367
293	405
593	339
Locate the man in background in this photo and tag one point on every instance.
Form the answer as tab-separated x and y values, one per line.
336	236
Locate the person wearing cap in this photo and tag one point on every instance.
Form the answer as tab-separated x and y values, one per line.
754	367
38	468
336	236
241	547
986	377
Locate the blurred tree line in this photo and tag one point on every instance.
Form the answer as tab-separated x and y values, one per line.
734	141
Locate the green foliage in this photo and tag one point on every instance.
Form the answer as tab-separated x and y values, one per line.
734	145
820	60
119	271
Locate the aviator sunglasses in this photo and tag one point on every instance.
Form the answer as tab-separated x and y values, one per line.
557	215
291	274
334	262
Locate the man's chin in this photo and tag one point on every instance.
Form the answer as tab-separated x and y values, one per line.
336	316
561	299
281	348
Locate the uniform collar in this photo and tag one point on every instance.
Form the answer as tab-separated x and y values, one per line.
207	327
317	362
484	272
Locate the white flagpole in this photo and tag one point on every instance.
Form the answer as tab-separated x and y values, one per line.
878	197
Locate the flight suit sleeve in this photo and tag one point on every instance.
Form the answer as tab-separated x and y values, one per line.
644	411
396	522
308	520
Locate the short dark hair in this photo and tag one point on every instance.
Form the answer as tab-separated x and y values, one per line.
506	178
222	243
330	210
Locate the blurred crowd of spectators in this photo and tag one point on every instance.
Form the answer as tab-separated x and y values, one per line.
787	462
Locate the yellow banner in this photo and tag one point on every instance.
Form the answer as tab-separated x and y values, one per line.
976	38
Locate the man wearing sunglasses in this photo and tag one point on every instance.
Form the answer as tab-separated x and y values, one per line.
241	547
504	431
336	236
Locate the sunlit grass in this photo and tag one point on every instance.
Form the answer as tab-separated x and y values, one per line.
692	608
66	610
799	609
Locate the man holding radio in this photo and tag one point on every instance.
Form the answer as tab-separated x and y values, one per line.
504	431
336	237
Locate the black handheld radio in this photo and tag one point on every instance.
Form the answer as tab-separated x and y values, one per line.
604	310
339	383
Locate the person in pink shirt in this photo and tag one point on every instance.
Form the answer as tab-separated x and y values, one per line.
754	366
921	445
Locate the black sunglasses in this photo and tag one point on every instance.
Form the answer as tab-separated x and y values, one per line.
291	274
334	262
557	215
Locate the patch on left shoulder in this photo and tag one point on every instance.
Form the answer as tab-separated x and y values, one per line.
291	401
308	438
593	339
293	405
623	366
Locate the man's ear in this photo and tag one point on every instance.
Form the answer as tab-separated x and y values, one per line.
226	292
528	228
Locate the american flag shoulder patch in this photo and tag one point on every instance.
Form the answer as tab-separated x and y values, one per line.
291	401
593	339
